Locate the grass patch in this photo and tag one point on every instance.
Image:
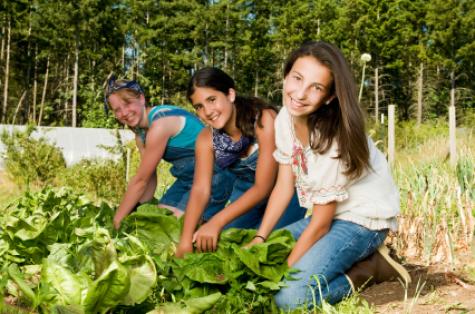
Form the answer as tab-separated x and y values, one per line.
8	190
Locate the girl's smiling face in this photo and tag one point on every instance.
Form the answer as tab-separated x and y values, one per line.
128	110
307	87
214	107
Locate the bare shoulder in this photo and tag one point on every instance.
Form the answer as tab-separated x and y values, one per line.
205	139
168	125
267	121
265	132
268	116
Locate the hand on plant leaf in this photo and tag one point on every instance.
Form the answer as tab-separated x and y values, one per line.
253	242
117	220
184	247
206	238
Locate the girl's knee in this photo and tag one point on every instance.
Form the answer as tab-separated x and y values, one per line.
283	299
290	298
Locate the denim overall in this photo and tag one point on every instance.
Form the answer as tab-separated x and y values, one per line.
183	166
244	171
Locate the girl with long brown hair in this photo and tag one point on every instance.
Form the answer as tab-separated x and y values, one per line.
340	175
239	140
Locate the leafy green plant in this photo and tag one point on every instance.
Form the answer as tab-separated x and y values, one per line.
61	254
31	160
98	178
465	171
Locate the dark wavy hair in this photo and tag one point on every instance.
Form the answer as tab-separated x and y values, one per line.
342	120
248	109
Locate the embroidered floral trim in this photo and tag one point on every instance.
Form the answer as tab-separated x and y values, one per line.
281	157
299	159
308	195
327	198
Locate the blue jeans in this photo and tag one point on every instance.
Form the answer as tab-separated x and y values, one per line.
244	171
323	266
183	167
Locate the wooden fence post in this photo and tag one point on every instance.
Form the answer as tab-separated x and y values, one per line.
391	134
127	165
452	138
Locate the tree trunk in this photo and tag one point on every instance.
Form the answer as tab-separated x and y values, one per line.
28	73
75	84
206	48
2	49
163	80
18	106
66	109
420	84
452	88
123	58
452	121
256	87
226	41
43	95
137	61
7	73
35	84
376	94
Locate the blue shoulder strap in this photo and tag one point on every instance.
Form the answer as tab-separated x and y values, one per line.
161	112
157	114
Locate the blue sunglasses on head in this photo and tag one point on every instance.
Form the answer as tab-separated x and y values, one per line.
113	86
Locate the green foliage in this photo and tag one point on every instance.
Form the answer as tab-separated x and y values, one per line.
61	254
409	134
36	162
161	43
465	171
29	160
436	198
101	179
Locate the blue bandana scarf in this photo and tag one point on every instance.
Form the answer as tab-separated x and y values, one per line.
225	150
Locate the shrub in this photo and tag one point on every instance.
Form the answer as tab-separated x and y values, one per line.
99	178
31	160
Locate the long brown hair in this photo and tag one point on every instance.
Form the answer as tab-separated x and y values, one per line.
342	119
248	109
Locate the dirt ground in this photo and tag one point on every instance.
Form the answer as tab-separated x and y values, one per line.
434	289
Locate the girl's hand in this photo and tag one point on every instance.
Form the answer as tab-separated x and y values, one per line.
206	238
117	220
256	240
183	248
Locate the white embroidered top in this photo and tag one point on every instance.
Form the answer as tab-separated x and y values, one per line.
372	200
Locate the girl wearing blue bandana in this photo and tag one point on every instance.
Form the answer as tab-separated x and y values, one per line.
162	132
240	139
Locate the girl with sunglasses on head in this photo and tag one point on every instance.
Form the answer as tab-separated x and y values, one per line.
323	151
240	139
162	132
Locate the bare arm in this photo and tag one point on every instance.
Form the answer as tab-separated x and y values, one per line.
278	201
281	195
152	182
266	172
157	138
200	191
319	225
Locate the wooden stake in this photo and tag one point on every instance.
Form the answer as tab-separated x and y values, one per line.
452	137
391	134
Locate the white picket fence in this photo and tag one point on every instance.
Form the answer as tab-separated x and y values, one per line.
75	143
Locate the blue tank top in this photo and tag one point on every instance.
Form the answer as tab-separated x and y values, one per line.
186	138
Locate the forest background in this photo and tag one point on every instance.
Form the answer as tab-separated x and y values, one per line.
55	55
